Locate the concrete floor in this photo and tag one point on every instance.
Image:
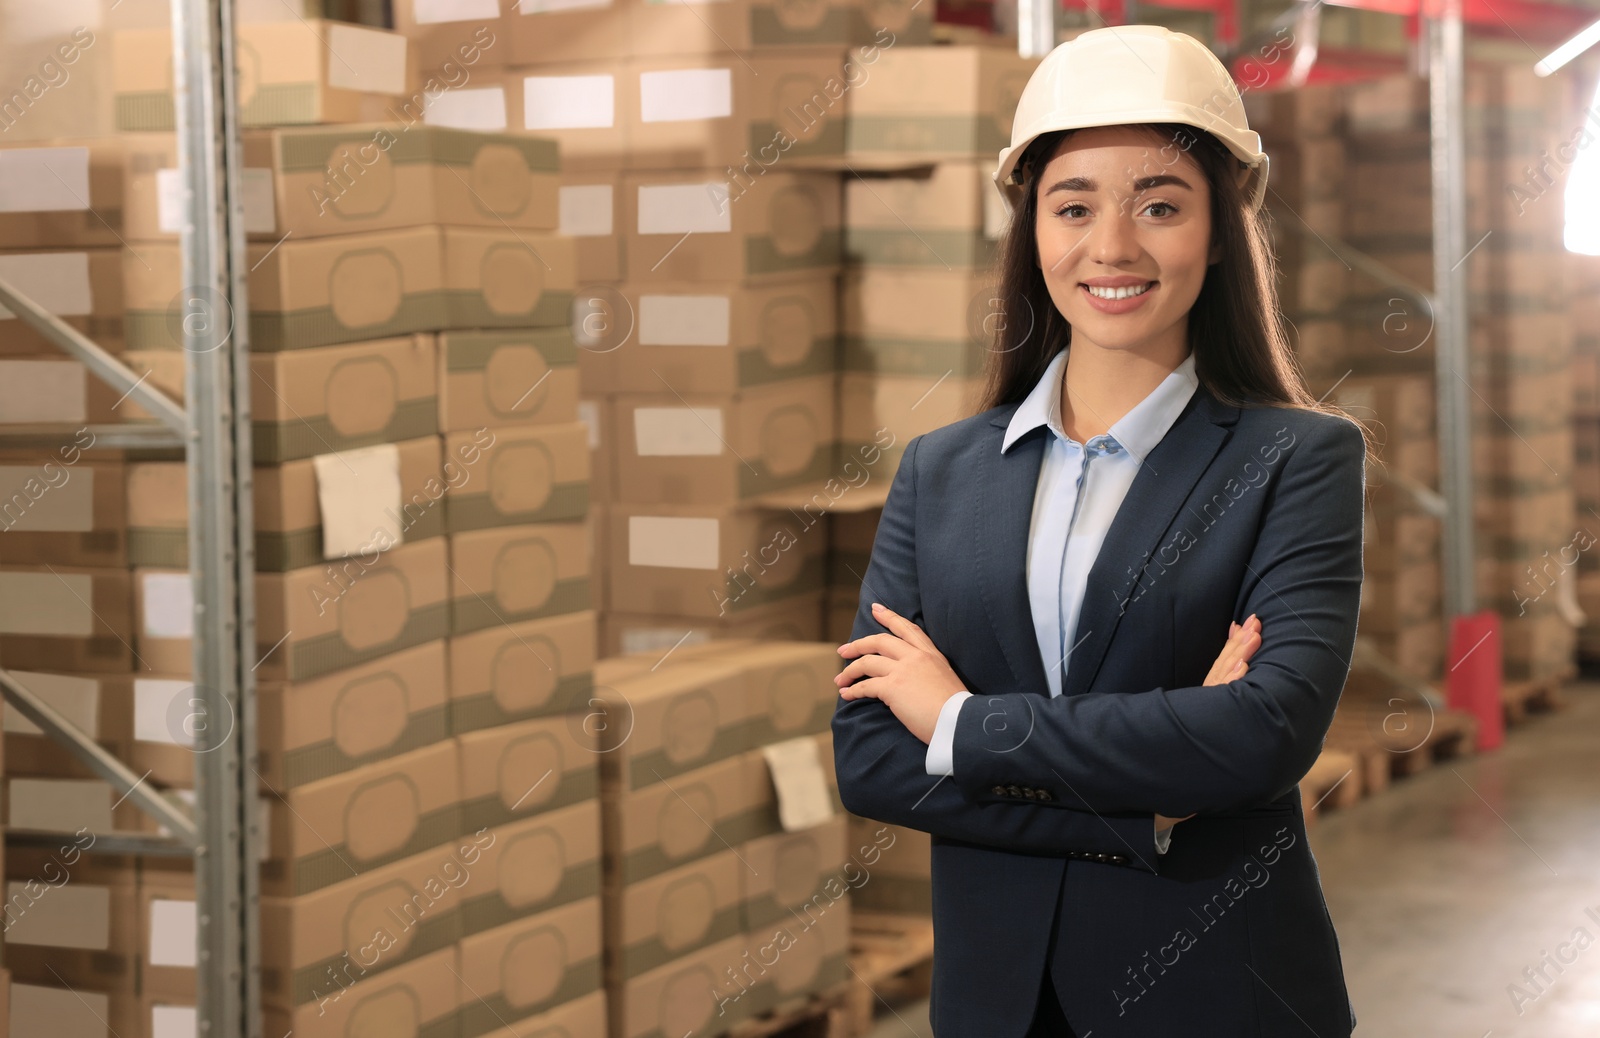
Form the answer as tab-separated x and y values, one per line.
1449	885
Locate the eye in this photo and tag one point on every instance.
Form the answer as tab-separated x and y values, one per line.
1171	209
1069	207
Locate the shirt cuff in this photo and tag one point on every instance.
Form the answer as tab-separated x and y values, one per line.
941	759
1164	839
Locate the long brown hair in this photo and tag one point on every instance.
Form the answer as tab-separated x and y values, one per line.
1235	329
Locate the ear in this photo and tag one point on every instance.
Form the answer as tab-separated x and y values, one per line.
1215	256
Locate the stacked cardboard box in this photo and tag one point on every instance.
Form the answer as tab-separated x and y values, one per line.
1583	273
725	861
1521	332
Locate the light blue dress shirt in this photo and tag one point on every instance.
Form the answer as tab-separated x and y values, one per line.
1081	486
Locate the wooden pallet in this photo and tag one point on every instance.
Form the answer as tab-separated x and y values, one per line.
891	960
1333	781
825	1014
1534	695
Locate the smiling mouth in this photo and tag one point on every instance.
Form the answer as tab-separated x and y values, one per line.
1127	292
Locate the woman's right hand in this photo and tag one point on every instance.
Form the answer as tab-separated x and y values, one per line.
1232	664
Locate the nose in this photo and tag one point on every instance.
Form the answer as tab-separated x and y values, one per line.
1113	237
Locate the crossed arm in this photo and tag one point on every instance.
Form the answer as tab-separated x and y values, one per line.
1121	757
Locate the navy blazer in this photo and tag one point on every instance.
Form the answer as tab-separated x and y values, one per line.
1042	842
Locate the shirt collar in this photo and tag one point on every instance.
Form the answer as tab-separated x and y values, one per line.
1138	431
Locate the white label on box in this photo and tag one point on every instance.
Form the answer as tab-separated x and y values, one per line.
367	60
568	102
359	494
76	699
586	210
48	498
173	931
153	713
995	215
43	390
168	605
674	431
589	415
50	604
682	94
43	180
58	1013
660	639
260	210
481	108
56	281
546	6
797	775
60	805
432	12
174	1022
685	208
72	915
684	320
170	207
682	542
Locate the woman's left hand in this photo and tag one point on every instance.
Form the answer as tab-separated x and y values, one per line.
903	669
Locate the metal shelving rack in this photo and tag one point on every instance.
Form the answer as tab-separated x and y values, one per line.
213	429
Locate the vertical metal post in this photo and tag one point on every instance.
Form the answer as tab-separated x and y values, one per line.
1447	115
1036	27
210	319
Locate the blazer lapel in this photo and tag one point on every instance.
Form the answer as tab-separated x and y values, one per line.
1001	511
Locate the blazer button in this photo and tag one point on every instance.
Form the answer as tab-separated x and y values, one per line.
1044	794
1100	857
998	791
1119	859
1028	792
1014	791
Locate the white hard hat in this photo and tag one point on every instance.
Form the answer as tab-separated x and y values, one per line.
1133	74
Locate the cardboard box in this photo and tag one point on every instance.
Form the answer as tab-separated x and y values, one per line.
499	181
706	338
533	865
66	618
880	414
940	217
529	474
579	103
313	620
516	573
473	34
692	994
99	705
64	192
152	201
709	562
923	323
349	824
796	876
516	672
79	933
83	287
762	25
323	400
714	449
49	1009
937	103
790	959
651	922
315	946
61	510
791	682
590	216
529	966
839	613
710	226
670	720
167	928
586	1015
331	725
48	388
517	770
290	72
288	510
900	863
792	618
699	813
419	997
546	33
507	279
745	113
497	378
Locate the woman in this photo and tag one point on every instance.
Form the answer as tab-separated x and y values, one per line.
1044	670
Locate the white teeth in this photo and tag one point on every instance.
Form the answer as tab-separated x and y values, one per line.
1120	293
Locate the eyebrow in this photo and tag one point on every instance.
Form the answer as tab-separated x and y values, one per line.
1142	184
